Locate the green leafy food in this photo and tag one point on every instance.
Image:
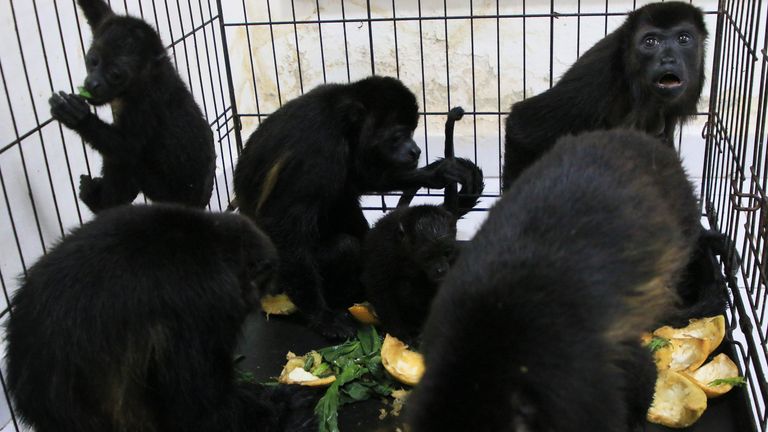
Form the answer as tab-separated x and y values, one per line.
370	342
357	391
347	350
309	362
735	382
84	93
327	410
322	370
657	343
359	375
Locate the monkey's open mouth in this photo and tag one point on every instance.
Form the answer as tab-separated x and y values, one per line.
669	81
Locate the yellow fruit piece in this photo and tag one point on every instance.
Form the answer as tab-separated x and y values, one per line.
710	329
720	367
404	365
364	313
279	304
677	401
682	354
294	373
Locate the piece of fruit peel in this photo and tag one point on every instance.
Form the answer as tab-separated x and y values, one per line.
403	364
364	313
278	304
677	401
293	372
719	368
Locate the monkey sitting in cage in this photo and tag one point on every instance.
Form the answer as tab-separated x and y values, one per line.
537	325
159	143
407	254
131	322
301	175
647	75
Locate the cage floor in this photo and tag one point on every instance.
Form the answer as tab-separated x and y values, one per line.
265	344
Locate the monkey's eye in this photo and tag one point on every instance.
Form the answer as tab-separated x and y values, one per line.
684	38
650	41
92	60
115	75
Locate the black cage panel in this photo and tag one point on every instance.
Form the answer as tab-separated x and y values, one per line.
734	188
243	59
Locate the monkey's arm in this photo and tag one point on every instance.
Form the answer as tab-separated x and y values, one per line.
74	113
387	301
436	175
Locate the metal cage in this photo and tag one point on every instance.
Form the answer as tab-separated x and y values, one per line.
242	59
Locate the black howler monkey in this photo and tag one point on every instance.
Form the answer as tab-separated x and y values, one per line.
536	327
159	143
406	255
130	323
647	75
301	175
409	251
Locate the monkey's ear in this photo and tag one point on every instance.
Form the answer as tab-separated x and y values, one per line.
95	11
352	112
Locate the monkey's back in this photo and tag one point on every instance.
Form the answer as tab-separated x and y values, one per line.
107	309
180	157
574	262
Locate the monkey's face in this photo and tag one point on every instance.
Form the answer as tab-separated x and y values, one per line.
394	145
428	234
108	75
671	58
435	257
119	57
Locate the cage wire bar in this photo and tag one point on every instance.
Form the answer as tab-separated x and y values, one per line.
734	183
243	59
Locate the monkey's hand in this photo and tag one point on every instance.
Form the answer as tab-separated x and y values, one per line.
472	178
70	109
444	172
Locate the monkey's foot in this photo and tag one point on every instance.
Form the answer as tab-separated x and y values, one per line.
90	192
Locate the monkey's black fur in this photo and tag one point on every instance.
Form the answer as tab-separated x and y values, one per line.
619	82
406	255
536	326
408	251
130	322
301	175
159	143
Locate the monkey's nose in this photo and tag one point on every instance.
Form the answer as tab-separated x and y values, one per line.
668	60
415	152
92	85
